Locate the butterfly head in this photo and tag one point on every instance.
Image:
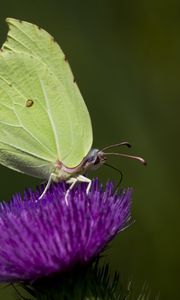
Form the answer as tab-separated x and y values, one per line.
94	159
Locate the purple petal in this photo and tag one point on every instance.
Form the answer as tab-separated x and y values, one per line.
41	237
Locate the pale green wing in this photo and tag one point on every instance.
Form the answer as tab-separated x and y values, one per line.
76	131
33	133
24	162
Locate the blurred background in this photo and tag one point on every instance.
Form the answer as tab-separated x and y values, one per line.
125	56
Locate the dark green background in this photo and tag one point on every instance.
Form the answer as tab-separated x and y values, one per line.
125	56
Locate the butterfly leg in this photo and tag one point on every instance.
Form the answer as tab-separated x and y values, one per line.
73	181
82	178
47	186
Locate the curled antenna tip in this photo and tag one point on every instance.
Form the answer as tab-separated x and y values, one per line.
140	159
128	145
125	144
143	161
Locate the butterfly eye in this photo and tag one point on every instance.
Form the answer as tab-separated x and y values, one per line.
29	103
97	161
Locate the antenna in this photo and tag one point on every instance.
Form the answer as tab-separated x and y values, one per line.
125	143
138	158
117	145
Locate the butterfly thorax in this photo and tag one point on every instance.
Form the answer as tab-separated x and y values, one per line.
92	161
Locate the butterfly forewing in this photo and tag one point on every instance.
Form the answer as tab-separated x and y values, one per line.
42	116
28	38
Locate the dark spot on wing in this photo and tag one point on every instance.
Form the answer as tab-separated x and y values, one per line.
65	59
29	103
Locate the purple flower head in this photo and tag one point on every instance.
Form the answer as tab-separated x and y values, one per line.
42	237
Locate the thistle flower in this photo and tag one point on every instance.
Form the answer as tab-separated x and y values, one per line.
39	238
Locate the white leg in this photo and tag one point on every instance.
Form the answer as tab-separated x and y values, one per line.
47	186
73	181
88	187
82	178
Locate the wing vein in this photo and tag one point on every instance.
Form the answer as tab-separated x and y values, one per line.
15	39
6	106
20	29
50	118
23	127
12	125
25	151
32	135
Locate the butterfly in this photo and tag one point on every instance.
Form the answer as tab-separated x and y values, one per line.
45	127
